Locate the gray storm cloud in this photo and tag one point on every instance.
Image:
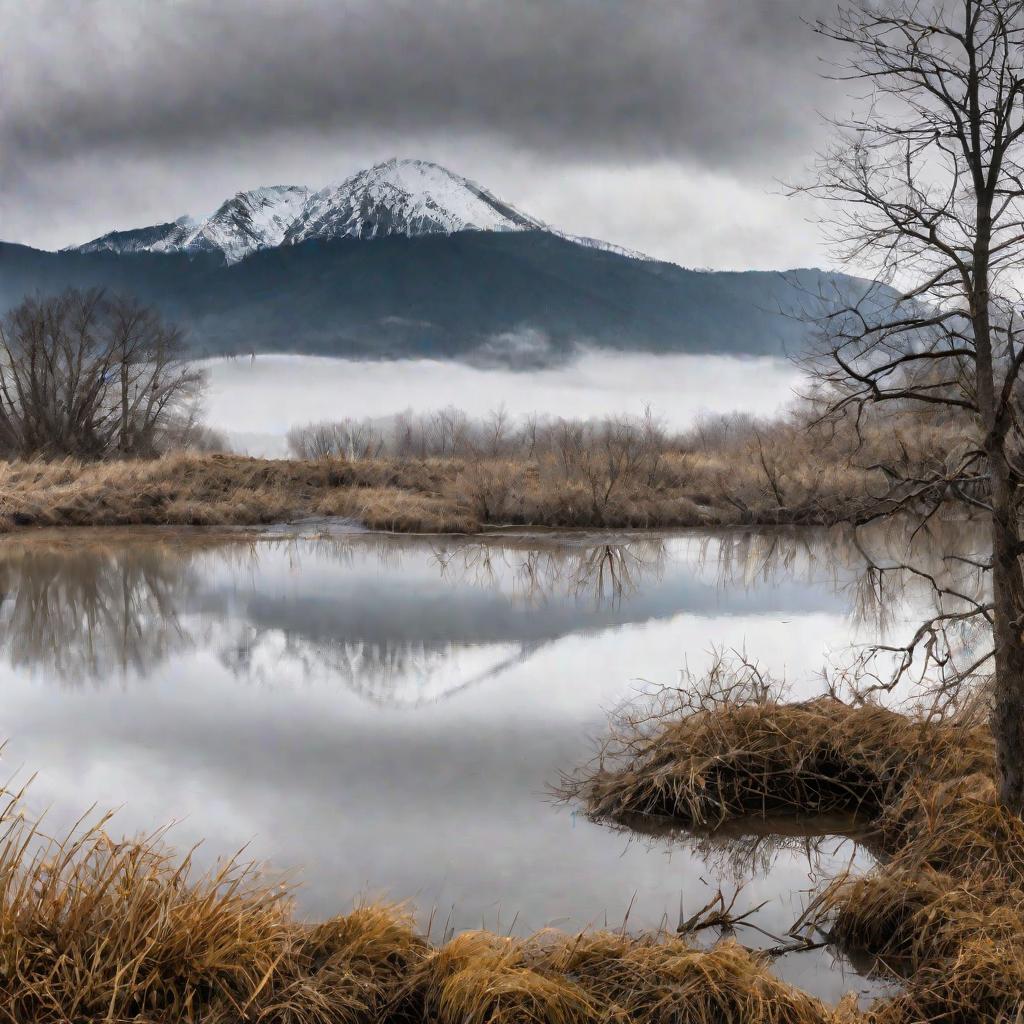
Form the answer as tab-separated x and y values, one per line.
713	79
104	87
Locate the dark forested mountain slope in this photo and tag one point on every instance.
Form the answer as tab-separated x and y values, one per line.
515	296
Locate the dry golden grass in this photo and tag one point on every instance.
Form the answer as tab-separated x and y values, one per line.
93	930
663	980
220	490
944	907
420	495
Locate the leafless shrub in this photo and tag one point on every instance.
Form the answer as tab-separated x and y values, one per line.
91	375
489	488
349	439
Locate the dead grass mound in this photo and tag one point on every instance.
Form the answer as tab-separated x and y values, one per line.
982	983
945	907
663	980
481	978
729	747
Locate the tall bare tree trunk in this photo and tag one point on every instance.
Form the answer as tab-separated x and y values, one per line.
1008	627
1007	590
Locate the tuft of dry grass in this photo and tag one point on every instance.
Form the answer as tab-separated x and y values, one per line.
944	907
479	977
95	930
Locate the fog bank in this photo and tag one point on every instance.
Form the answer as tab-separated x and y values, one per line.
256	401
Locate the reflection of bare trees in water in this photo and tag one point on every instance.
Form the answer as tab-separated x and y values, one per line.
894	572
96	610
88	614
606	572
86	609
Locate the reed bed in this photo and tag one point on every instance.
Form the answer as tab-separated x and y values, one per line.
944	908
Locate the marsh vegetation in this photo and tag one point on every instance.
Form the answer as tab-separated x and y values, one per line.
444	473
912	419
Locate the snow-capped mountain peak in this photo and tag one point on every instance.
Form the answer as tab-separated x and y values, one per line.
396	197
404	197
248	221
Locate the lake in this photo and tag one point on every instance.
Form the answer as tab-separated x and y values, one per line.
383	716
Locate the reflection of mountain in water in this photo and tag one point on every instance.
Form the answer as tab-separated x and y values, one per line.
401	621
403	674
430	619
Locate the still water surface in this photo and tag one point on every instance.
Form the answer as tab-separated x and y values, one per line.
382	716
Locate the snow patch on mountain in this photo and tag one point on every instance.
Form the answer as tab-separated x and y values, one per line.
168	236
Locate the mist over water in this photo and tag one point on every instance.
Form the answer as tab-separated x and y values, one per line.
256	401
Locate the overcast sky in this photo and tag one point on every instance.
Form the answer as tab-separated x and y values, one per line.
657	124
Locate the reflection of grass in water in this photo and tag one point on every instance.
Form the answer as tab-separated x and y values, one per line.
749	847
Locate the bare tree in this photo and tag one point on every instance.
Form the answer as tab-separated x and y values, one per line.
496	428
928	180
92	375
348	439
617	452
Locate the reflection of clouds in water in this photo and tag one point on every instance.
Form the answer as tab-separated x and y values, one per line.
256	402
444	806
398	620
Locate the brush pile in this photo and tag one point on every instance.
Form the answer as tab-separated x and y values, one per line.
944	907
